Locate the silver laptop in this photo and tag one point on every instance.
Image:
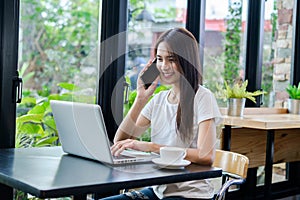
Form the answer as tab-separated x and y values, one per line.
82	132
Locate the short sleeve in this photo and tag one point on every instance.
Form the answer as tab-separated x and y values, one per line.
206	106
147	110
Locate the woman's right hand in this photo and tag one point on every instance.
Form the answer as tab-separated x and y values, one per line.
142	92
120	146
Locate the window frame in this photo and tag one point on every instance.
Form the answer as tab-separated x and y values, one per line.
195	23
113	36
253	60
9	38
295	69
9	33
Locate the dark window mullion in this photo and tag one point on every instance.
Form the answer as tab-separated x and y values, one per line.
295	73
9	34
112	62
293	172
254	47
195	23
9	30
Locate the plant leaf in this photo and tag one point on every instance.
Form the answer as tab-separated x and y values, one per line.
69	86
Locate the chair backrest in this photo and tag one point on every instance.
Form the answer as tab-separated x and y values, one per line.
231	162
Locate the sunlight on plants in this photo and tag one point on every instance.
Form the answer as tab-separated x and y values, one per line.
238	90
293	91
35	126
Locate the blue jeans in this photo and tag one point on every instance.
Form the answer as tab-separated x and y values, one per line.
146	193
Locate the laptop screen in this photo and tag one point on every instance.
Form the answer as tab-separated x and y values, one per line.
81	130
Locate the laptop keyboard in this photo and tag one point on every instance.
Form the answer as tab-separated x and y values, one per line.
122	157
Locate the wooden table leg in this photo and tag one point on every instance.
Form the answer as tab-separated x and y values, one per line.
269	164
6	192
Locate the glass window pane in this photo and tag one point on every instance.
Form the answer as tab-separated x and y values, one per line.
278	46
147	20
224	43
268	52
58	59
277	61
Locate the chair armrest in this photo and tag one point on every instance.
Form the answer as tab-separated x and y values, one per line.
226	186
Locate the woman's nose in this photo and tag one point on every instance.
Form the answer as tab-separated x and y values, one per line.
165	65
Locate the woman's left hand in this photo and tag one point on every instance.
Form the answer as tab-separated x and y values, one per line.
120	146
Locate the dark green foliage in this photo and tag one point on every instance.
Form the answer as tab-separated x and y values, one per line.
294	91
232	45
35	126
57	36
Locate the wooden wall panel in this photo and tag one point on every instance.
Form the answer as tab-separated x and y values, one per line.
252	143
287	146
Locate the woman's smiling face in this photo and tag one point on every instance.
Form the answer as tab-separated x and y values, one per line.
167	65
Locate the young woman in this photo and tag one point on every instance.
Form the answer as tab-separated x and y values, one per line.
185	116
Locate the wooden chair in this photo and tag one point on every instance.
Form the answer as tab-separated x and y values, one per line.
234	166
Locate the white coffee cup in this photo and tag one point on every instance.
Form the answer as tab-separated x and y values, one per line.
172	154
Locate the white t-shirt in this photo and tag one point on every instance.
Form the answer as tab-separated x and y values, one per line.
162	115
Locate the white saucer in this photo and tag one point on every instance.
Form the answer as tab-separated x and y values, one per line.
176	165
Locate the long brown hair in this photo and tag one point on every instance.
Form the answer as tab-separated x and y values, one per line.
185	48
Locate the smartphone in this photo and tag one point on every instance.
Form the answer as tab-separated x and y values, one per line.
150	74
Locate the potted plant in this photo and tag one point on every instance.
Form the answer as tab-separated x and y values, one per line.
236	97
294	100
